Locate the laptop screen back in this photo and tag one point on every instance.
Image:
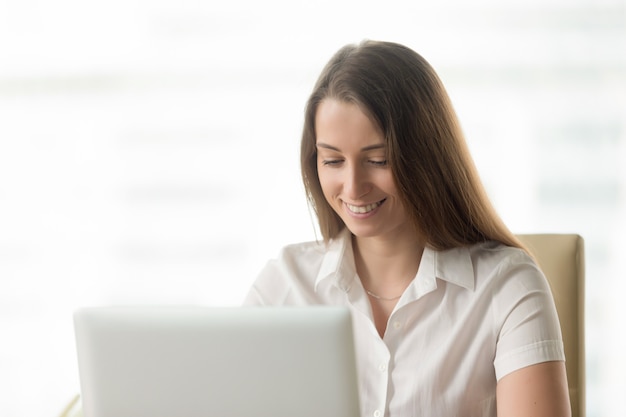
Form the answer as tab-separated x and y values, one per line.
200	361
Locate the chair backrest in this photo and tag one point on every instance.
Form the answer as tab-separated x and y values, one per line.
562	259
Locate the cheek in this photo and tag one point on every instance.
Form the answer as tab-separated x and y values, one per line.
325	184
383	181
328	183
391	188
389	184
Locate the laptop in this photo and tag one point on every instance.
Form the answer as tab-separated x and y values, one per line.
222	361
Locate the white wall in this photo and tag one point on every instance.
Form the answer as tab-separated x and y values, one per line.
149	151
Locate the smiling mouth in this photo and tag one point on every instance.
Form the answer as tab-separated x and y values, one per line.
364	209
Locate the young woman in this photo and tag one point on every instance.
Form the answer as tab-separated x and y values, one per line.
452	316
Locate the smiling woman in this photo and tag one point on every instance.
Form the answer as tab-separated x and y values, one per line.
414	248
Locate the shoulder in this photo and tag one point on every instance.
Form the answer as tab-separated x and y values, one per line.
512	279
490	268
292	276
493	259
507	273
293	262
306	249
313	254
498	253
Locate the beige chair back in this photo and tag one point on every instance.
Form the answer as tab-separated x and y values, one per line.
562	258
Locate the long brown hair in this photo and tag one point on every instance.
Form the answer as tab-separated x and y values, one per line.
426	150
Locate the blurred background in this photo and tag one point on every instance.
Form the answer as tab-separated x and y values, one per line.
149	152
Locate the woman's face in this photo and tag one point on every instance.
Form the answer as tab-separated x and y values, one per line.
355	176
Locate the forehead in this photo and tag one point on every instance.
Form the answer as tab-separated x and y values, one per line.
342	121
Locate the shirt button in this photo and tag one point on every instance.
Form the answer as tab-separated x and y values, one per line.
382	367
397	325
378	413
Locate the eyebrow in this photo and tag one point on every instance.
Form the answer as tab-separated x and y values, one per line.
364	149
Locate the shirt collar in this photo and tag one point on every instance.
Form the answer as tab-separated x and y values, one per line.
455	266
452	265
338	261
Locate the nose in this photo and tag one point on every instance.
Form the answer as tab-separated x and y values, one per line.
356	183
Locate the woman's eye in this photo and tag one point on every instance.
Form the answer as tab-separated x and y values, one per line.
331	162
379	163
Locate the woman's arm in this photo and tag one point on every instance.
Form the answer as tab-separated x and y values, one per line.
537	390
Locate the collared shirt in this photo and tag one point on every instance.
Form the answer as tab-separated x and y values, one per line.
470	316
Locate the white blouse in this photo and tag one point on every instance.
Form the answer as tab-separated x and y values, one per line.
470	316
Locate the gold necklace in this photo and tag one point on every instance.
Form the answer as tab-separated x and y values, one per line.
378	297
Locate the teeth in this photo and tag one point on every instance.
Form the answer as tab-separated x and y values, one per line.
363	209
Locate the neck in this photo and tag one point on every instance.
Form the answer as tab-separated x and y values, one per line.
386	268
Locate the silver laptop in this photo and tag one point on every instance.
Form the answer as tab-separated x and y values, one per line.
216	362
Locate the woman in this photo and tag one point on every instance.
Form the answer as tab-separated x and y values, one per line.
452	316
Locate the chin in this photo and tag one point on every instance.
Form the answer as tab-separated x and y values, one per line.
363	232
